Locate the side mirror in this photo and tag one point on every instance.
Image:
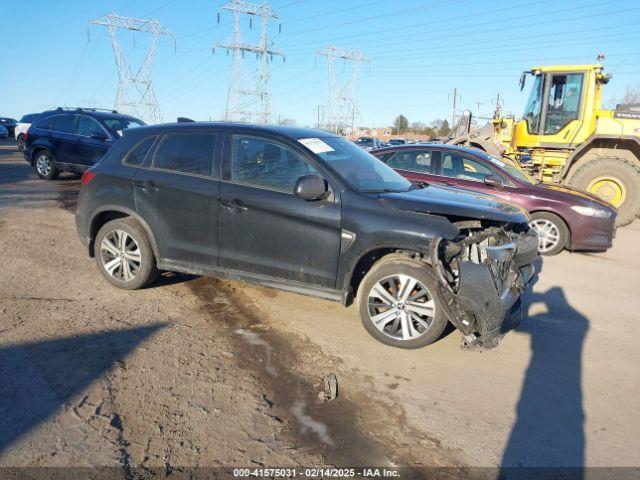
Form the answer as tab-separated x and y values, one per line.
100	136
311	188
493	180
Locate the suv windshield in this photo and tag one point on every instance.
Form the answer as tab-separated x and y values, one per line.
118	124
361	170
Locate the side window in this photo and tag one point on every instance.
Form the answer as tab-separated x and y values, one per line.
414	160
64	123
87	126
457	166
45	123
187	153
263	163
138	153
563	102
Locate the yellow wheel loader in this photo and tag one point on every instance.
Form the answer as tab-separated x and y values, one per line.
566	137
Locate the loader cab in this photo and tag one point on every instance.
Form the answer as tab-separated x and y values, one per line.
561	104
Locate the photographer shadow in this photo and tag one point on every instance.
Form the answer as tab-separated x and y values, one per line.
547	439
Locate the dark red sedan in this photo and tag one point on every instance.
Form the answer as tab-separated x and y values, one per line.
562	217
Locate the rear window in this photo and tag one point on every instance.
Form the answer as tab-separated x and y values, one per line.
45	123
187	153
138	153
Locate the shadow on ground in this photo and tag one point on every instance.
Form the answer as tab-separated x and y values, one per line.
547	438
40	377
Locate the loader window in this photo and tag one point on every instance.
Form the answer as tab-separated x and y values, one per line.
563	102
534	107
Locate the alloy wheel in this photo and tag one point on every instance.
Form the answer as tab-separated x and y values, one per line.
401	307
548	234
120	255
43	165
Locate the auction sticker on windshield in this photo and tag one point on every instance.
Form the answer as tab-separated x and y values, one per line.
315	145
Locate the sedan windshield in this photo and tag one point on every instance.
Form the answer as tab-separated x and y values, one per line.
361	170
510	169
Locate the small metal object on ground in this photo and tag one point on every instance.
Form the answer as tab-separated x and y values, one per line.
330	388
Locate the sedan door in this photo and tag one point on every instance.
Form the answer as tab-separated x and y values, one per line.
466	171
416	165
265	229
176	193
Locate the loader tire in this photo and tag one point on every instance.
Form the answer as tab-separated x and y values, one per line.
613	179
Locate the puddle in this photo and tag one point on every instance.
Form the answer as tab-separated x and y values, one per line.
254	339
309	424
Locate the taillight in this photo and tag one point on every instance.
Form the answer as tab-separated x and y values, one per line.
87	177
25	136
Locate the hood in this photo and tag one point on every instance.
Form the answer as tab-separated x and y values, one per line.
439	200
570	195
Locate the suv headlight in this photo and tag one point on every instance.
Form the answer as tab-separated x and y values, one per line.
591	211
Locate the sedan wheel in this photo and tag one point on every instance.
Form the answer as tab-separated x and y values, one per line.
401	307
553	233
120	255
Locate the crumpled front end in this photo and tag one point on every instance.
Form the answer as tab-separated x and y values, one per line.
483	273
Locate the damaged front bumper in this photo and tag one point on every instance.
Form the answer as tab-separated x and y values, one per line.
483	274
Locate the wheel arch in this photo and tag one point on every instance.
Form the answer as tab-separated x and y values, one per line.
367	259
546	210
623	143
112	212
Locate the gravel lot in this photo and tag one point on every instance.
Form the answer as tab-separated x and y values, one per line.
201	372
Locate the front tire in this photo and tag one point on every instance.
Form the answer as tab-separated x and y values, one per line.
553	233
398	305
45	165
124	255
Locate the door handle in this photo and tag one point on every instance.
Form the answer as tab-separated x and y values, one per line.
233	204
146	186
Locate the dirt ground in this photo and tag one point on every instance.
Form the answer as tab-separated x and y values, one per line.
201	372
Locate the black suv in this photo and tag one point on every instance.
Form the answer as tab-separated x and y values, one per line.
309	212
73	140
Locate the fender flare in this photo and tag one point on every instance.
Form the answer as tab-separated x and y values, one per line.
128	212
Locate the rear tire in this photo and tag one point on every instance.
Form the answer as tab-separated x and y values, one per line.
412	318
124	254
614	180
45	165
553	233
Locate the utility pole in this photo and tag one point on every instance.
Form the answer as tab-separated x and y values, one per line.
455	98
135	91
342	108
478	103
237	94
498	102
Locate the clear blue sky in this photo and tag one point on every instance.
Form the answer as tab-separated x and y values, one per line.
419	50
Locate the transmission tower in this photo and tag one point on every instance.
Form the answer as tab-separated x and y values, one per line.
135	91
342	109
243	92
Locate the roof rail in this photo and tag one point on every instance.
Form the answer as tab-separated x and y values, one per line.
86	109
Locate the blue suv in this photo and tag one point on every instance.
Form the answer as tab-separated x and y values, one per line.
73	140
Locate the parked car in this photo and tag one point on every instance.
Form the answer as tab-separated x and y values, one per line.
9	124
4	133
73	140
562	217
21	128
310	212
369	143
396	141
